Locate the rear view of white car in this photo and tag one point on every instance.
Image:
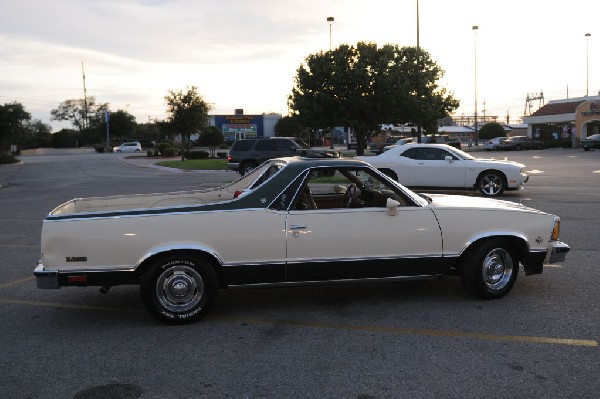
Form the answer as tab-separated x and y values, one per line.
133	146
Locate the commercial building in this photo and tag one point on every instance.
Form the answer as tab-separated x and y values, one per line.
240	126
563	120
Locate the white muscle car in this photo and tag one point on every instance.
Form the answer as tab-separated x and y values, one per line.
443	166
290	221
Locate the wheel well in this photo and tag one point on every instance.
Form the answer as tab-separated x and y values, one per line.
206	256
517	243
500	173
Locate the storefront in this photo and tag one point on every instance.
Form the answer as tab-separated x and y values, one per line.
587	119
563	123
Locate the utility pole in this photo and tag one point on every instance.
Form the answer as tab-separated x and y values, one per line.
85	117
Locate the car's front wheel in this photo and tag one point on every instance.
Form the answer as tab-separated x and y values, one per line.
489	270
491	183
179	288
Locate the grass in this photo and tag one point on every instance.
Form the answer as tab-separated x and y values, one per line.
196	164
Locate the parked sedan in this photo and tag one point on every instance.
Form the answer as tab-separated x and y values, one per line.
520	143
492	144
444	167
591	142
290	221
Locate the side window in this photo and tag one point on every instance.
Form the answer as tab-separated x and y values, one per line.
330	188
410	153
242	145
283	145
264	145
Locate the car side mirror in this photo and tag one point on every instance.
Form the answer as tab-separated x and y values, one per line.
448	158
392	207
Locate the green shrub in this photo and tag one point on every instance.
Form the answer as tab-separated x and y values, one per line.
168	152
7	157
156	153
161	147
221	155
150	153
196	155
99	148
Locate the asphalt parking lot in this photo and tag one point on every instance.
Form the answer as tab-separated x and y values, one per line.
414	339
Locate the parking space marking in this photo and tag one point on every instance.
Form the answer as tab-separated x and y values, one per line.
22	280
68	306
338	327
19	246
423	332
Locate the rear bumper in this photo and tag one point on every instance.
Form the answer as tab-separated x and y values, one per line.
54	278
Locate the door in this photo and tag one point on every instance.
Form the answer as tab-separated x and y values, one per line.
359	239
436	167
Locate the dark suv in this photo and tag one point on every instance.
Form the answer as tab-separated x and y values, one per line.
247	154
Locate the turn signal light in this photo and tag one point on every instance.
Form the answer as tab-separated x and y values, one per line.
555	230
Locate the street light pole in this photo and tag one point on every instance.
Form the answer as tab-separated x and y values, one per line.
330	21
475	28
419	129
587	63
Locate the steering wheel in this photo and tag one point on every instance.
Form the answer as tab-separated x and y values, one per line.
350	193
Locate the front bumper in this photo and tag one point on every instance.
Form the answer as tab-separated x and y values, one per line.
558	253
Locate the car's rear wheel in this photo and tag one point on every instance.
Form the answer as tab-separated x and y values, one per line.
179	288
491	183
247	168
489	270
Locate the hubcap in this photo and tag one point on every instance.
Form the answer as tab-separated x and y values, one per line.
179	288
491	184
497	269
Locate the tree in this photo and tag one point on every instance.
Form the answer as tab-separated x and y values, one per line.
121	125
84	115
38	135
491	130
211	137
13	119
362	86
188	113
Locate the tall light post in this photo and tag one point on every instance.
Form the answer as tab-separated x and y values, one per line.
419	130
587	63
330	22
475	28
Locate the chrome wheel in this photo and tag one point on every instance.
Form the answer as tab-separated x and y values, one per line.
491	184
179	288
489	269
497	269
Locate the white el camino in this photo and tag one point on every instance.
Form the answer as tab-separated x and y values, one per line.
290	221
442	166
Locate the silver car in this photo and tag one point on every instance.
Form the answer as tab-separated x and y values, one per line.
133	146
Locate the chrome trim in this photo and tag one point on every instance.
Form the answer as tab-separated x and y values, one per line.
45	279
297	226
558	252
177	247
497	234
341	281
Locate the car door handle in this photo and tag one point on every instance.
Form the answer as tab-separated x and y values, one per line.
297	226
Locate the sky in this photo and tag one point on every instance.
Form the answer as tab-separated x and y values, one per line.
245	54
